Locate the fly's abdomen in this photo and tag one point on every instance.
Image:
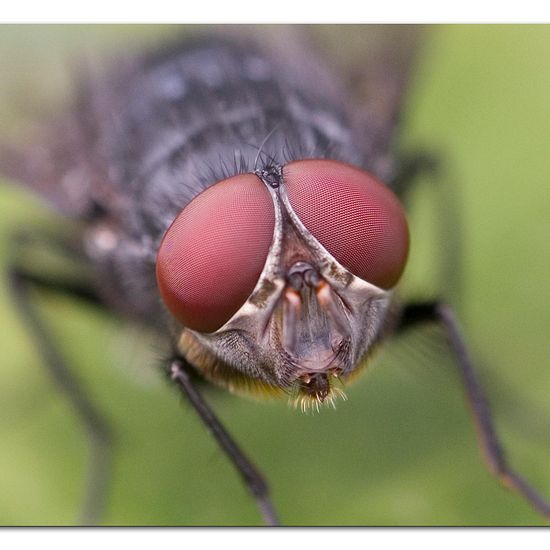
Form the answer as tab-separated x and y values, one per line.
211	111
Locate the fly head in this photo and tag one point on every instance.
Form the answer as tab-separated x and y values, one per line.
282	287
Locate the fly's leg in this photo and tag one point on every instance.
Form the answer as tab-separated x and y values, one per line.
426	168
97	429
490	446
412	168
181	373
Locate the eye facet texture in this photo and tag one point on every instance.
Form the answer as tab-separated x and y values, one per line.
212	255
357	219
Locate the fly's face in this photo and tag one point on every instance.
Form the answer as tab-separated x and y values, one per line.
282	278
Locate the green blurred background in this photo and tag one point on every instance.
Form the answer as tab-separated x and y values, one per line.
401	450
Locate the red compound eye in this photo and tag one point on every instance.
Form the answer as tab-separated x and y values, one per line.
214	252
355	217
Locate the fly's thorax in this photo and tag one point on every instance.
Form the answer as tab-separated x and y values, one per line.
306	325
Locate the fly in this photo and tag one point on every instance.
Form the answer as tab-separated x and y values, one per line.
230	197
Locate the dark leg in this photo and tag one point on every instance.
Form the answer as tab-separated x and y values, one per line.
411	168
489	443
424	167
179	371
98	432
